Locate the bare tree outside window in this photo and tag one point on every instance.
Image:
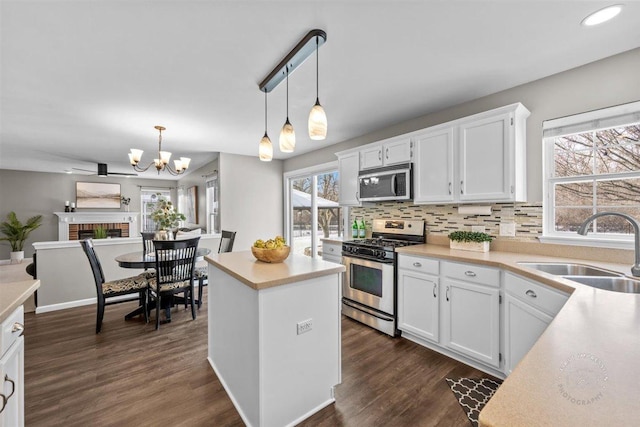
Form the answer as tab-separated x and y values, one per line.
595	172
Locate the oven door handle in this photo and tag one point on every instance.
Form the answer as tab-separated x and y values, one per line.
367	310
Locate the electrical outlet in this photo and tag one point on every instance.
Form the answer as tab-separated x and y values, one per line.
477	228
305	326
508	229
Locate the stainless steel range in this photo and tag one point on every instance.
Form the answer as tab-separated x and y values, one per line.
369	288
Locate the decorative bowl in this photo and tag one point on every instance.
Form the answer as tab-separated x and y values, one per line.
271	255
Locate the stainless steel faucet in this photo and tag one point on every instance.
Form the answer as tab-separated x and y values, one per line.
635	269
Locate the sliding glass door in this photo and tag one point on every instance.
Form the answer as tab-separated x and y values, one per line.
313	212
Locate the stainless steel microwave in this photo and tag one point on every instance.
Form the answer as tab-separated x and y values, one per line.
388	183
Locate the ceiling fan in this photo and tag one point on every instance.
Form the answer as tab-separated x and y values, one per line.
103	171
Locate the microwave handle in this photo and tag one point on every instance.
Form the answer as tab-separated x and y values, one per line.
394	187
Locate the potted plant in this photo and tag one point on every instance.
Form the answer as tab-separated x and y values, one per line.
100	233
470	241
16	233
166	218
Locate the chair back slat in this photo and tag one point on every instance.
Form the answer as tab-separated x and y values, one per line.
147	242
96	268
175	260
226	241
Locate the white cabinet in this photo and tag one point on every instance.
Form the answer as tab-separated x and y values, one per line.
348	167
332	251
387	153
471	319
418	297
12	370
529	308
480	158
433	172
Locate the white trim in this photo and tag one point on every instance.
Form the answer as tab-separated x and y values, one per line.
312	411
231	396
312	170
76	303
586	241
619	115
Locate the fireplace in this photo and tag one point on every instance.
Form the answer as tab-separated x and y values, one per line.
80	225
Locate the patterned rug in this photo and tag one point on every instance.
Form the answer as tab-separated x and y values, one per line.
473	394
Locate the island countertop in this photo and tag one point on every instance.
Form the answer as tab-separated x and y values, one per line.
13	294
261	275
584	369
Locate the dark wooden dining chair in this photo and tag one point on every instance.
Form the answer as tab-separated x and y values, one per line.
105	290
175	263
202	273
147	242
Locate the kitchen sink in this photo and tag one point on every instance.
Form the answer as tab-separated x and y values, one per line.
569	269
615	284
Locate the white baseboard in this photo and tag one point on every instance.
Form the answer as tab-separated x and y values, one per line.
72	304
231	396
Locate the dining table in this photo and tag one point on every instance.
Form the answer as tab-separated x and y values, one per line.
148	261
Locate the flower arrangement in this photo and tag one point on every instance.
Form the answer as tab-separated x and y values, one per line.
166	216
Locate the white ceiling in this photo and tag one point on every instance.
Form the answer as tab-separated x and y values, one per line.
85	81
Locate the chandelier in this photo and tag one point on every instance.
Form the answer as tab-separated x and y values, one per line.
162	161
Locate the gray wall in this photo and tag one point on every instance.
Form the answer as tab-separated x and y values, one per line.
611	81
38	193
251	200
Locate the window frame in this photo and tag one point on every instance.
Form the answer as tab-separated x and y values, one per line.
313	171
592	121
166	192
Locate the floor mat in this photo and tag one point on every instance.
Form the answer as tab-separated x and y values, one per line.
473	394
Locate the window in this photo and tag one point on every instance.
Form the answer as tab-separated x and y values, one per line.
148	200
312	211
592	165
213	196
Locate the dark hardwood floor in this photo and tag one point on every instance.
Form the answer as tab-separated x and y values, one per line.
132	375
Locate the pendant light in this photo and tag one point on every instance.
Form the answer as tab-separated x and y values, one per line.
317	116
287	134
265	151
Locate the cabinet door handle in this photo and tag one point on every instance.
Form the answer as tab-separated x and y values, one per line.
470	273
447	294
331	250
531	294
386	154
357	195
449	187
417	264
434	290
461	187
380	155
18	327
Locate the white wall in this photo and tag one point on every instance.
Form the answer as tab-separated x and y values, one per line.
251	200
610	81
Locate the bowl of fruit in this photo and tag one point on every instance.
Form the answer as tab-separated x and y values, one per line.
272	250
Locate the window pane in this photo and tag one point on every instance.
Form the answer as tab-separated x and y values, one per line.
148	199
570	219
616	224
574	194
618	150
573	155
301	216
329	212
618	193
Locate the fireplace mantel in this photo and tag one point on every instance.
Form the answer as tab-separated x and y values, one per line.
67	218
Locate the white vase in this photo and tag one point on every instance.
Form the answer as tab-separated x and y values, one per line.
164	235
17	257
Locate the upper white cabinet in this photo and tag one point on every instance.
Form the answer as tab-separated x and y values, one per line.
387	153
480	158
348	167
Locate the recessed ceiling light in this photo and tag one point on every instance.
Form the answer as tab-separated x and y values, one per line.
602	15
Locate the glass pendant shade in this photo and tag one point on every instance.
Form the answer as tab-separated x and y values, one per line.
185	162
265	151
317	122
135	155
165	156
287	138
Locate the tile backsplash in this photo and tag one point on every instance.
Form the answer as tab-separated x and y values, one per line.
443	219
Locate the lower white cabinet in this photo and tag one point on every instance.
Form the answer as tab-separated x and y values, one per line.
12	371
418	304
332	251
529	308
471	320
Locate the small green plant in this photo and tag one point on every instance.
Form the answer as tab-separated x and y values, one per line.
16	232
469	236
99	233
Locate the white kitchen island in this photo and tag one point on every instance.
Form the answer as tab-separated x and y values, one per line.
274	335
